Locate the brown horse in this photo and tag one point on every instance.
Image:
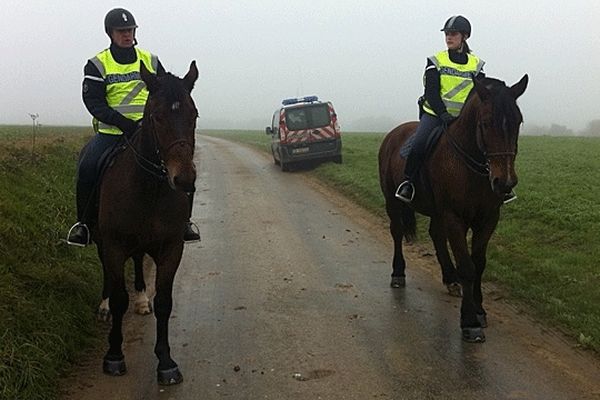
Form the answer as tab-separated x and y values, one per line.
460	187
143	208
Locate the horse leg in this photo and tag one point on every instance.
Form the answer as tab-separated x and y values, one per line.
166	266
142	304
457	236
103	312
398	262
449	274
113	261
480	240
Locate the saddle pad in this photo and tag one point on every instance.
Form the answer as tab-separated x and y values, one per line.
431	142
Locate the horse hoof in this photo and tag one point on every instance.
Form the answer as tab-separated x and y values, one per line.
170	376
398	282
482	318
114	367
454	289
473	335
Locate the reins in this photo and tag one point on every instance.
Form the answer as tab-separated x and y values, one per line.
158	170
474	165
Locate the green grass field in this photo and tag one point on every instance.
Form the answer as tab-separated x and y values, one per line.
48	289
545	253
546	249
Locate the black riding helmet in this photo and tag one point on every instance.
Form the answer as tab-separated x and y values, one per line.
118	18
457	23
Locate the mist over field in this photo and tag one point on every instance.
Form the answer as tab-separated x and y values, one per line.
366	57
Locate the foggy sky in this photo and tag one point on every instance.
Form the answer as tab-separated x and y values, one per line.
367	57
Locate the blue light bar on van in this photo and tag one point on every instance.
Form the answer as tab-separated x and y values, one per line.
305	99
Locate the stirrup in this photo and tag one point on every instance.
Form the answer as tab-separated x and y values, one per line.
402	185
194	228
87	235
509	197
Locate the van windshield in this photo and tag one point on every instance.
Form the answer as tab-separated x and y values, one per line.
309	117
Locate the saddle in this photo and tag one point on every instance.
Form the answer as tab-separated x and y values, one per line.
431	142
102	164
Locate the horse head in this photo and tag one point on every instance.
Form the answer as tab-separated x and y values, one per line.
497	131
170	117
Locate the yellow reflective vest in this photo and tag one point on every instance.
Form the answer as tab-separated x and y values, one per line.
125	90
455	80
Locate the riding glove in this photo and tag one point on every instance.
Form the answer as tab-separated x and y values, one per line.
130	127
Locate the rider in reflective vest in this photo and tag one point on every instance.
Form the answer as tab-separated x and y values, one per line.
448	81
115	95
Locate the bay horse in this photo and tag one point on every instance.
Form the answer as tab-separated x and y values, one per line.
143	207
460	188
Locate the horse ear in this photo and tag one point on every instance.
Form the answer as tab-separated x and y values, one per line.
481	90
190	78
519	88
148	77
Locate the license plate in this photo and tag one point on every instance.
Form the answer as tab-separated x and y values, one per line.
300	150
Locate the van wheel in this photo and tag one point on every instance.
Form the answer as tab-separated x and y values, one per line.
285	167
337	159
274	159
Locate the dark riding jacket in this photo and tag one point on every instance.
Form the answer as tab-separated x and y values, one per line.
94	90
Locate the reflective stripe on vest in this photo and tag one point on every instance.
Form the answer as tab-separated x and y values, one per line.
125	90
455	80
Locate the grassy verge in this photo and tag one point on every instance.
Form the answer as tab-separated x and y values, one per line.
48	289
545	251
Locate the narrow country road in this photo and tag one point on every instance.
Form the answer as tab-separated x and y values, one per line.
288	297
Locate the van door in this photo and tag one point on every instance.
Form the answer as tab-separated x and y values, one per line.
275	135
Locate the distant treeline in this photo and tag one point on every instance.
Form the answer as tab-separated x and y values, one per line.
592	129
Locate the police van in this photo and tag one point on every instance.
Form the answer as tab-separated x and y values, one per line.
304	129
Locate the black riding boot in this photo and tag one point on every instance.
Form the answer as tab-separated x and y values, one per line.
79	234
406	190
191	232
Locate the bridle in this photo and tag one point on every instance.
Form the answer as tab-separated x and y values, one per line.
480	168
159	169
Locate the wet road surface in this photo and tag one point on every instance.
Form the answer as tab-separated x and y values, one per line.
288	297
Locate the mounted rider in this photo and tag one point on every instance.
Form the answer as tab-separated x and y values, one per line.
115	95
448	79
